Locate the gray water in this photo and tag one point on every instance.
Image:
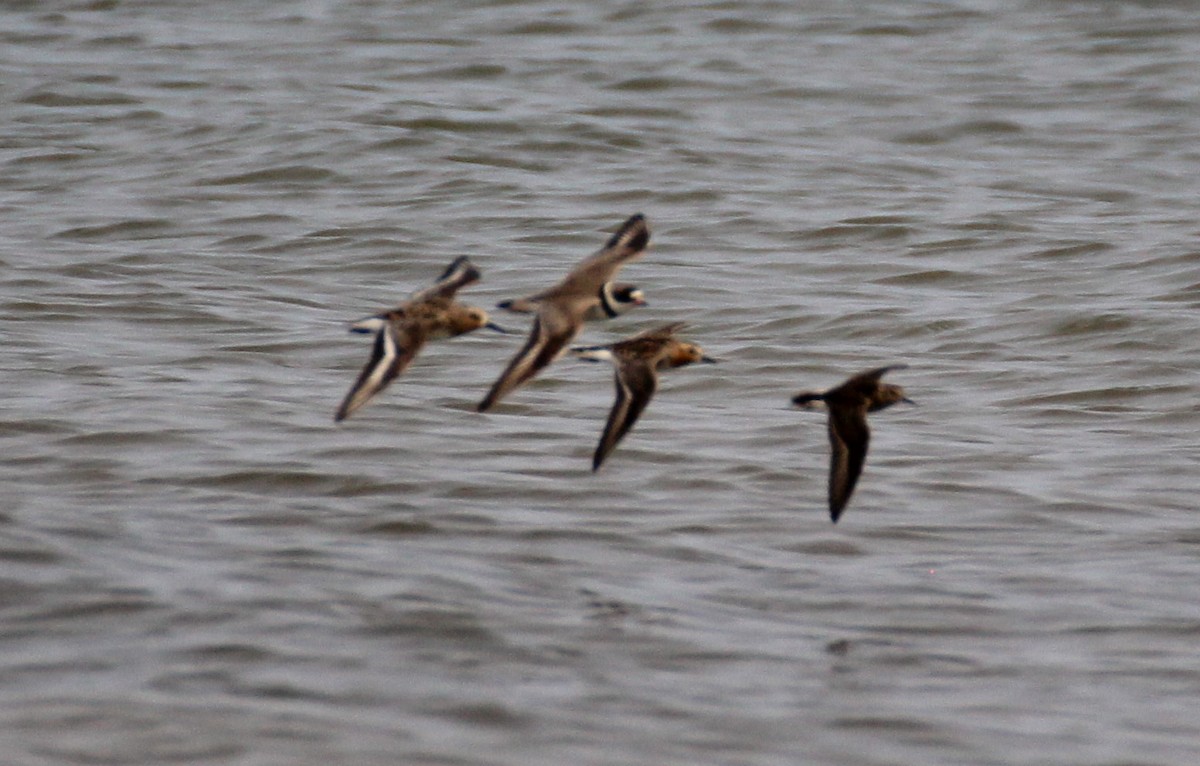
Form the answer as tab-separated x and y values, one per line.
198	567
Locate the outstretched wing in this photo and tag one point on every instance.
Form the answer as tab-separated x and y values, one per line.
628	243
460	273
635	383
552	331
662	332
870	377
848	438
394	349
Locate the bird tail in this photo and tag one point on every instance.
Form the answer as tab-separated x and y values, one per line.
371	324
592	353
808	399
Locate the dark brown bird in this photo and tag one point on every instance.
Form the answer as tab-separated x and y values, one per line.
848	405
637	361
562	309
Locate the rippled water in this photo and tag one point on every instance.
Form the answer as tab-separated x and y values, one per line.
199	567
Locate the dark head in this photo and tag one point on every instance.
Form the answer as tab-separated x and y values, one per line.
617	299
630	294
887	395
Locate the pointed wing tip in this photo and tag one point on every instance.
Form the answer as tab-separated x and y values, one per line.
634	234
460	273
493	396
598	458
885	370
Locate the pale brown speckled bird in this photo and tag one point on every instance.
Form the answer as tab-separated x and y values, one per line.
431	314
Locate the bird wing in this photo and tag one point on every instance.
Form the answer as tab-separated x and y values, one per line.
551	332
871	376
663	332
848	438
627	243
635	383
394	349
460	273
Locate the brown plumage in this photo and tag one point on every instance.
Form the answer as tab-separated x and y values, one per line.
612	300
431	314
637	361
849	436
562	309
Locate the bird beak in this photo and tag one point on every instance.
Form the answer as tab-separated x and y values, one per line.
709	360
906	400
498	328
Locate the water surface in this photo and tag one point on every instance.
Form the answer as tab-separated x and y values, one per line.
198	567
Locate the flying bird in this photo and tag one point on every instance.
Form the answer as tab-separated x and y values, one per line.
562	309
613	300
637	361
848	405
430	314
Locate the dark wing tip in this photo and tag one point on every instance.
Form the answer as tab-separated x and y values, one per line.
879	372
839	497
603	450
347	407
460	273
490	399
634	234
454	266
